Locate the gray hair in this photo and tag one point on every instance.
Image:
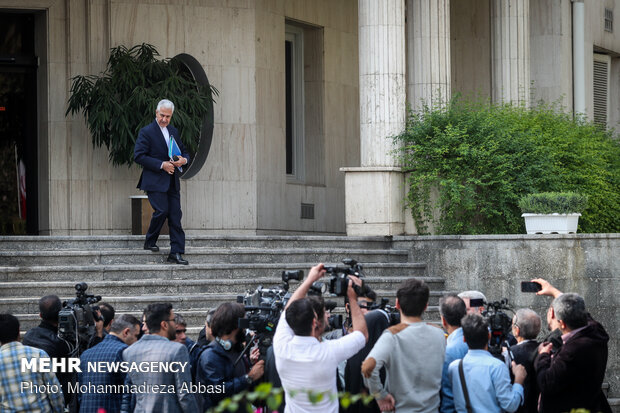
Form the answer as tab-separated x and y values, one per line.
528	322
123	322
180	320
165	103
571	309
472	295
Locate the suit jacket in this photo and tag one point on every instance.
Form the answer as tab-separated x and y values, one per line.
150	151
573	377
524	354
157	348
110	349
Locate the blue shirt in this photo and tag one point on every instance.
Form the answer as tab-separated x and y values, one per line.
110	349
456	349
488	384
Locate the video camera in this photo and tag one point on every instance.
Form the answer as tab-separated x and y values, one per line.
77	318
392	312
339	281
335	321
263	307
500	324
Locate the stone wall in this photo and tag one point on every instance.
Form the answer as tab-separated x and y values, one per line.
243	186
588	264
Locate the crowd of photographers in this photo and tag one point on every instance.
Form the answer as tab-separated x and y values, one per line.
479	360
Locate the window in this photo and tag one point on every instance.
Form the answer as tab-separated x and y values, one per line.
609	20
295	141
601	89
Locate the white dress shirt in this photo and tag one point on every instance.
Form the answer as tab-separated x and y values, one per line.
304	363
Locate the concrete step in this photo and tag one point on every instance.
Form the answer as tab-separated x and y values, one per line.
139	287
90	273
135	242
196	255
29	304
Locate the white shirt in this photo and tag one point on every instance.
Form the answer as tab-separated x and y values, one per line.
166	134
304	363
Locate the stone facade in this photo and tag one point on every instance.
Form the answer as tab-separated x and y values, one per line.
362	61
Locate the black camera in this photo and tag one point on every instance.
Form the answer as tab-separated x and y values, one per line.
339	281
77	318
500	325
334	321
392	313
263	307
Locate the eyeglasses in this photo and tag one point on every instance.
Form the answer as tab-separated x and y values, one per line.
171	320
181	331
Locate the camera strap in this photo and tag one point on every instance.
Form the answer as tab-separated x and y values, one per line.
464	386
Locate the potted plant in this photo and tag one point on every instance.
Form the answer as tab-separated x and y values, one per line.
552	212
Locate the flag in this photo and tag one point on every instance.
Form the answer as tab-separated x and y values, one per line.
173	149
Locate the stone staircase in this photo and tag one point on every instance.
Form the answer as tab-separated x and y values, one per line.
221	268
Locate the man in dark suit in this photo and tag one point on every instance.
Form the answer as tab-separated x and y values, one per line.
160	179
525	327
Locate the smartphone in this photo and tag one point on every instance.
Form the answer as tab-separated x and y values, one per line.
530	287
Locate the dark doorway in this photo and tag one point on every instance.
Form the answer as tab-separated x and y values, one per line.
18	125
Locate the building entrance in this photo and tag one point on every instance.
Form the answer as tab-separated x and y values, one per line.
18	125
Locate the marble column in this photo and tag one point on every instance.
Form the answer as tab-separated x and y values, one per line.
374	191
510	50
429	74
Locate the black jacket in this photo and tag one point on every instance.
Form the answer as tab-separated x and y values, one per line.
524	354
573	377
45	337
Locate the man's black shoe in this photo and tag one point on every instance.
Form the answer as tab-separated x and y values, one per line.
177	258
153	248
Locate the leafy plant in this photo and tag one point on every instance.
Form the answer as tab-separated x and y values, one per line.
266	395
553	202
119	102
471	160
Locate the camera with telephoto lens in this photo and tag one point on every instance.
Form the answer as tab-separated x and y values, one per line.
500	325
263	307
339	281
77	318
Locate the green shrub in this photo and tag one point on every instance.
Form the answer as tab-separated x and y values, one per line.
483	157
553	202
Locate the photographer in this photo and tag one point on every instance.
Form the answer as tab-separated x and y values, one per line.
217	363
45	337
572	378
303	362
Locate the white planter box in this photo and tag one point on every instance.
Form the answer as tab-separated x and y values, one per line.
551	223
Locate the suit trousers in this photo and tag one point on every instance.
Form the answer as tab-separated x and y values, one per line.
166	205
